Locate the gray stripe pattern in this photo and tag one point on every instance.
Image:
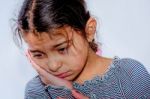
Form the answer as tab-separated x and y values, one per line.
126	79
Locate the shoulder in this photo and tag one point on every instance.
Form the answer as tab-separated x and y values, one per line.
35	89
130	65
132	70
133	73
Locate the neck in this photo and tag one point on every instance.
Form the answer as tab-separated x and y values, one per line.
89	68
95	65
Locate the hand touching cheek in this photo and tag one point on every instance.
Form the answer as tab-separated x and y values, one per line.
48	78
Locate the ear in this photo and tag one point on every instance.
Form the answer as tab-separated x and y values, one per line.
90	29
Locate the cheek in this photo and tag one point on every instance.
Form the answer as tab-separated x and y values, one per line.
80	64
76	63
41	63
76	59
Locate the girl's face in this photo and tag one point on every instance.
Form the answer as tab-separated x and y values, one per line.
63	53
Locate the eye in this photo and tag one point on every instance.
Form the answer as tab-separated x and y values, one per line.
62	50
38	56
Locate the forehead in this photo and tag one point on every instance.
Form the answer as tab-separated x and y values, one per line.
51	38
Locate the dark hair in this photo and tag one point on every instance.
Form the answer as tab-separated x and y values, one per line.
43	15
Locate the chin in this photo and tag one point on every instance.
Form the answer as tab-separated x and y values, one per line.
70	78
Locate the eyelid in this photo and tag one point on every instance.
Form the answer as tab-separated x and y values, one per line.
36	51
64	45
59	44
39	55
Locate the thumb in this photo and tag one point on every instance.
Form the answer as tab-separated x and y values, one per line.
60	98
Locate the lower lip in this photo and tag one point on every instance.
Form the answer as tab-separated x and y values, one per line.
64	75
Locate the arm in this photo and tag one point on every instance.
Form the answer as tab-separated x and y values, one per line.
35	89
138	76
55	87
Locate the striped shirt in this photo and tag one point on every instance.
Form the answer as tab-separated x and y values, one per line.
125	79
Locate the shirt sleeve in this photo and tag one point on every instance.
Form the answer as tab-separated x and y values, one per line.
138	76
55	91
35	89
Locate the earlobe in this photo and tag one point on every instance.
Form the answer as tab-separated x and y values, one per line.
90	29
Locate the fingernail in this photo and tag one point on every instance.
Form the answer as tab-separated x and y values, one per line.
75	91
57	98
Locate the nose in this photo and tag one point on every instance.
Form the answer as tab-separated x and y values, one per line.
54	64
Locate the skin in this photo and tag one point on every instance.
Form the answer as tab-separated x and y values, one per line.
66	51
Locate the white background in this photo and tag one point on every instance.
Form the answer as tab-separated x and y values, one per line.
124	31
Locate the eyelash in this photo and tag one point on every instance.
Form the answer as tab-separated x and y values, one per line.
62	50
38	55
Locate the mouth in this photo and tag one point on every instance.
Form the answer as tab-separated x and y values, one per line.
63	75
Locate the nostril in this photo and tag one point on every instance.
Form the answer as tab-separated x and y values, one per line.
54	66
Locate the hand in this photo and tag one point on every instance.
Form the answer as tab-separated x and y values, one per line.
76	95
48	78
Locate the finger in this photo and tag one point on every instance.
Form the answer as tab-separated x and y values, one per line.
27	55
43	73
38	68
60	98
78	95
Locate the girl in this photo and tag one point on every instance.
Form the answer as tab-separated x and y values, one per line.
60	39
